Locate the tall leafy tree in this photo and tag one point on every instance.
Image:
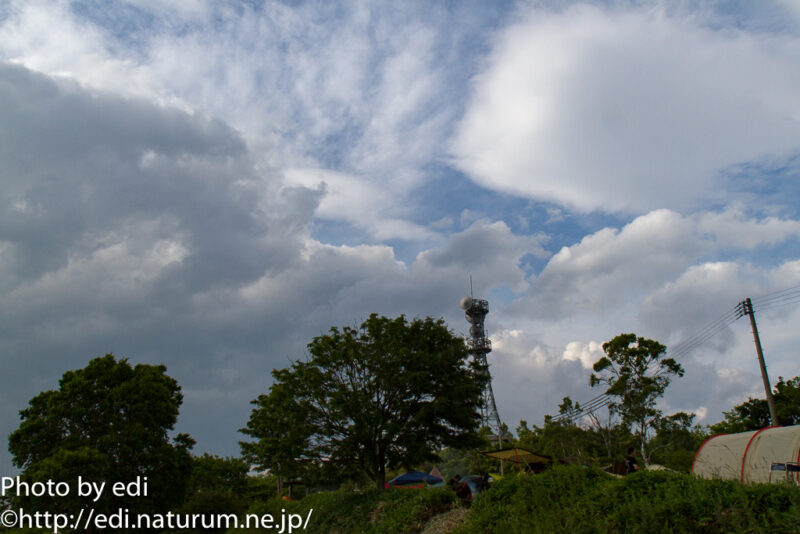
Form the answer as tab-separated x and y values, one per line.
385	395
635	373
108	422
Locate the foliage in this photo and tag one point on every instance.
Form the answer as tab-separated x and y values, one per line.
579	500
455	462
597	444
261	487
217	486
636	373
370	511
753	414
565	499
560	440
614	436
383	396
211	472
107	422
212	502
282	426
673	446
460	461
677	441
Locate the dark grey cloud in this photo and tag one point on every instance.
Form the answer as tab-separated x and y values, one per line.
164	237
149	232
123	225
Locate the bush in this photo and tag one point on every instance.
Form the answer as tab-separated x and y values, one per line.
576	500
365	512
569	499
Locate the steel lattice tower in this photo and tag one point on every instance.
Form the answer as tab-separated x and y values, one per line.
480	345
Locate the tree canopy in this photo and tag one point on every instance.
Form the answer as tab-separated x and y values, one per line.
753	414
107	422
220	486
386	395
636	374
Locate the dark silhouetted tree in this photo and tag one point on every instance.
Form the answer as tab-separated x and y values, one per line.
108	422
386	395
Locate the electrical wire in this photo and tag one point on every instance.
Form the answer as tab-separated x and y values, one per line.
776	299
777	294
778	303
681	349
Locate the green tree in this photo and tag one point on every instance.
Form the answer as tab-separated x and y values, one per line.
753	414
386	395
564	441
455	462
211	472
636	374
676	441
107	422
614	436
217	486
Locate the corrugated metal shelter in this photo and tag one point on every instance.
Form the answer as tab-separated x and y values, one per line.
766	455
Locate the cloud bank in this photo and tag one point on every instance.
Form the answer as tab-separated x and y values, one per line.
211	184
627	110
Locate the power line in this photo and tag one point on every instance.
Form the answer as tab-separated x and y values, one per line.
681	349
775	299
583	411
777	294
685	347
596	402
777	303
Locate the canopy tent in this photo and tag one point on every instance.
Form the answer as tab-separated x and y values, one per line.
519	456
530	460
414	479
766	455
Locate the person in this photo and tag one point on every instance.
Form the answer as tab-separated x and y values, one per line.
462	490
483	482
631	465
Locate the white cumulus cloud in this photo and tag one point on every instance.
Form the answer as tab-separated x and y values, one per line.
599	109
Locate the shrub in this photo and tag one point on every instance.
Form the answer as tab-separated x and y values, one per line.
576	500
365	512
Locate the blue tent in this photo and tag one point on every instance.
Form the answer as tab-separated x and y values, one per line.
414	478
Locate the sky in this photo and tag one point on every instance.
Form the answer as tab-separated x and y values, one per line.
210	184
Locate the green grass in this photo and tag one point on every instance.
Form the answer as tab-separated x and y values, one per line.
577	500
369	511
569	499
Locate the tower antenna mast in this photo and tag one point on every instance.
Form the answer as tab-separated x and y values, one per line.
475	311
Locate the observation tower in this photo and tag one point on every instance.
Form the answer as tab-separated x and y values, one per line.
480	345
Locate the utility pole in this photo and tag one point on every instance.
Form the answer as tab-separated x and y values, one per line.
746	308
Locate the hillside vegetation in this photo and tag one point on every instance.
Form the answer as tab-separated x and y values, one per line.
577	500
369	511
564	499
